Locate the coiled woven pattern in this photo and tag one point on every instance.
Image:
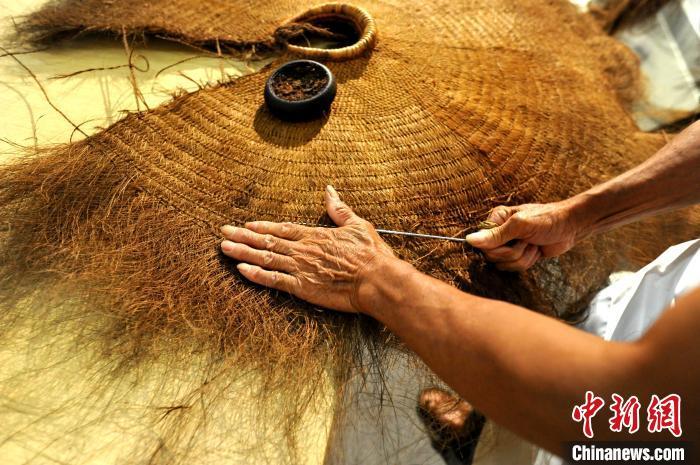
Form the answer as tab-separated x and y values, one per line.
362	20
464	106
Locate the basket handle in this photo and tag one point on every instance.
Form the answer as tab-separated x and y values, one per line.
363	21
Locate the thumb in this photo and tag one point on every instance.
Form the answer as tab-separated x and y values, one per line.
340	213
494	237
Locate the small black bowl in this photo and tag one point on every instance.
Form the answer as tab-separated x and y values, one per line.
300	107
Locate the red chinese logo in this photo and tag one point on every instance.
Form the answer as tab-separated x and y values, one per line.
662	414
625	414
665	414
586	411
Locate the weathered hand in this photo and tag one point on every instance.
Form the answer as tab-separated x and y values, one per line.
539	230
324	266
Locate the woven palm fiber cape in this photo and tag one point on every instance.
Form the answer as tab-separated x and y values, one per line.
444	110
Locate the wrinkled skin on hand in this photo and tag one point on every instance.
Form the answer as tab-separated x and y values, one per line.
324	266
538	230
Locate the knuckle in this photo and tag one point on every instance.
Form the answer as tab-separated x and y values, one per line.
499	213
302	250
295	285
274	278
269	241
527	260
248	236
518	250
268	258
517	218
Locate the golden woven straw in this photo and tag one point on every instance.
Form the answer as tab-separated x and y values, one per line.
362	20
461	106
256	27
444	110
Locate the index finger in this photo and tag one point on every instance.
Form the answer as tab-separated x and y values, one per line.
498	216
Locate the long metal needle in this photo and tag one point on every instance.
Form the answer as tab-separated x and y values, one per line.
421	236
399	233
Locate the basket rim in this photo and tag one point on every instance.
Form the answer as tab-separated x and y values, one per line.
362	19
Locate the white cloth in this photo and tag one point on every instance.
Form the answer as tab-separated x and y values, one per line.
625	309
668	47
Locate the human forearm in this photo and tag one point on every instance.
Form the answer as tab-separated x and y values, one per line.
522	369
668	180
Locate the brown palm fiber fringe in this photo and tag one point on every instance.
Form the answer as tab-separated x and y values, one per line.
461	107
246	28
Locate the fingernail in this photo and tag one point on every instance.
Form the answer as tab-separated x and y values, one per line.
243	267
227	246
227	229
331	190
476	237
